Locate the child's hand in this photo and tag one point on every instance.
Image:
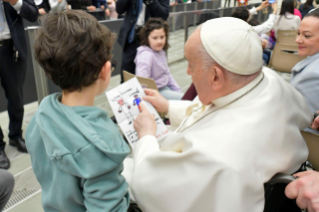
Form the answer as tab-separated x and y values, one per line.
102	7
145	124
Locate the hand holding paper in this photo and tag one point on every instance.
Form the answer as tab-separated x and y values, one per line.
156	99
126	100
145	124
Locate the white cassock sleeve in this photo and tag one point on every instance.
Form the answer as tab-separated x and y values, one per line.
189	181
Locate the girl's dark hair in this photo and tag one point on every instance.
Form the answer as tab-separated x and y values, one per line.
308	4
152	24
287	6
314	13
241	13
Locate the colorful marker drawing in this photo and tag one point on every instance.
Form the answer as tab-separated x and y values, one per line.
125	113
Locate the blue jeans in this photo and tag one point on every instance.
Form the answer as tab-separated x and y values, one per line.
169	94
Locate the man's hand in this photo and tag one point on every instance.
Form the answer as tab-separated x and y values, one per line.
156	99
263	5
145	124
42	11
12	2
91	8
305	190
102	7
315	123
274	8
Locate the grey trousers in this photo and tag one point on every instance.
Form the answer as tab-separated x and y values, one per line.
6	187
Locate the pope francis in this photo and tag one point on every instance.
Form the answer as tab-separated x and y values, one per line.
243	128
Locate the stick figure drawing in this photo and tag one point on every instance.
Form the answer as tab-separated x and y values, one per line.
125	108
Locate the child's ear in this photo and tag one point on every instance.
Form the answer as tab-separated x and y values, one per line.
106	69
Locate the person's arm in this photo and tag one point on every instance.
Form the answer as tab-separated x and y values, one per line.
305	190
183	168
269	24
143	63
158	8
122	6
26	9
254	10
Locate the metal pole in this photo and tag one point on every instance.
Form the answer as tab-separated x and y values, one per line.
195	16
186	26
39	75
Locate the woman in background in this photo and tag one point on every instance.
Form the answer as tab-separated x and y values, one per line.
287	20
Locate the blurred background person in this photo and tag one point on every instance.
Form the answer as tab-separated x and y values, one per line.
287	20
306	7
13	55
43	6
112	8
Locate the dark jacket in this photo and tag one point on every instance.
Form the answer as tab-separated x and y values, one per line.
28	11
158	8
304	11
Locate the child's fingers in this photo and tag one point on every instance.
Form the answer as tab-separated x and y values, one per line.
143	108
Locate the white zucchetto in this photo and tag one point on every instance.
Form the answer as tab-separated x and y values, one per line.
233	44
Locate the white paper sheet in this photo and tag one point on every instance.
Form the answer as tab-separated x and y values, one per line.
124	103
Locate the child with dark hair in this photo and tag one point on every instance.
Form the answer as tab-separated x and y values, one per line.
287	20
151	59
76	149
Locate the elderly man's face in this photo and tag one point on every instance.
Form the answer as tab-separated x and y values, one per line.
201	78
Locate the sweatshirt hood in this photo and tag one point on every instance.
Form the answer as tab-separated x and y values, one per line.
72	135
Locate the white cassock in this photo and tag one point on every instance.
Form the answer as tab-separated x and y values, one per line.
221	156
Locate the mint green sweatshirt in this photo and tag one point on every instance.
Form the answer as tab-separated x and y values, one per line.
77	155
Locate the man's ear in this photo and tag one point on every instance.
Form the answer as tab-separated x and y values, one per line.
217	78
106	69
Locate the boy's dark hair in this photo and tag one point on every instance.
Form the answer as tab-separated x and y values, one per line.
72	48
152	24
253	22
241	13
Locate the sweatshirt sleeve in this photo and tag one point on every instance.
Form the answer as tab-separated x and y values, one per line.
172	84
143	63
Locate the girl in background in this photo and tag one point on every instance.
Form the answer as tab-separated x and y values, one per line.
151	59
287	20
